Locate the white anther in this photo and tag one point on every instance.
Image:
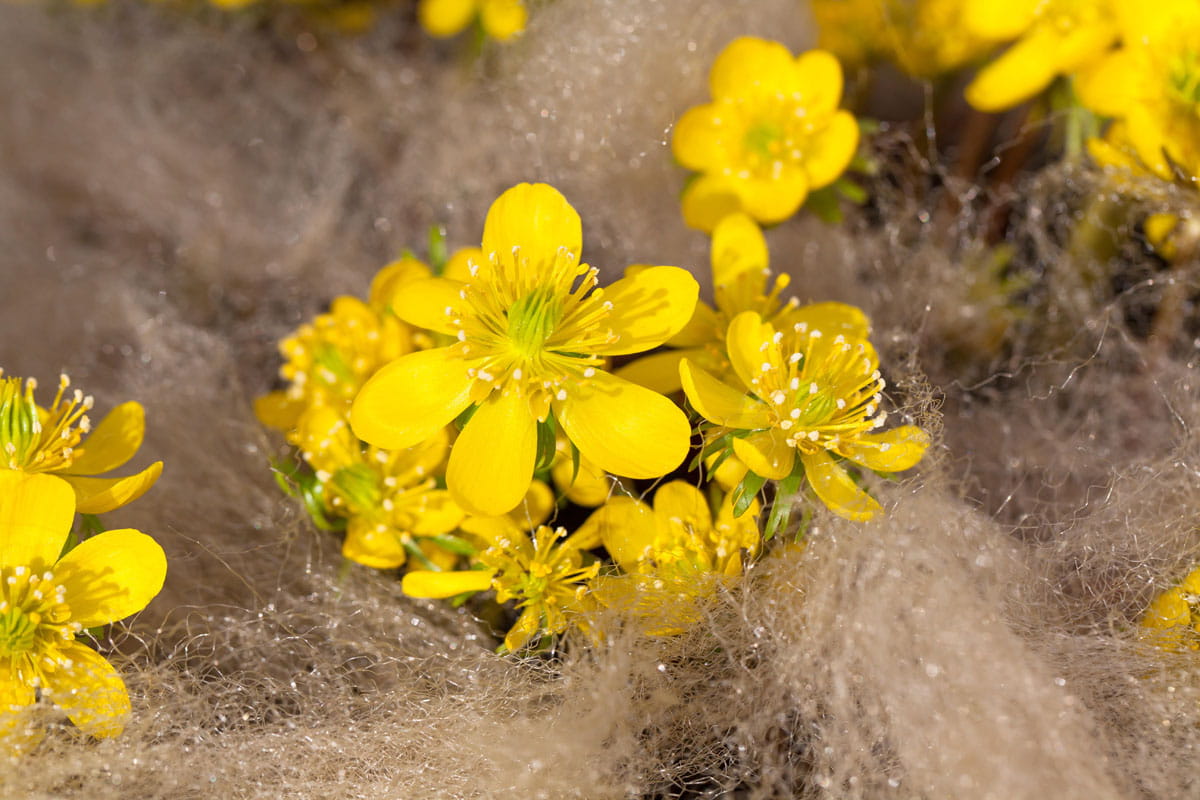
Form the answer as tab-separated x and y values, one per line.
841	404
766	366
517	374
589	372
561	395
813	436
786	424
778	397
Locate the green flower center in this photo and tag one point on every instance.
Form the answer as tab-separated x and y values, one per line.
35	623
20	428
36	440
331	366
17	632
360	486
532	320
765	140
1184	78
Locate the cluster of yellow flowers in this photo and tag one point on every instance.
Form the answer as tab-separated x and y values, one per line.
433	418
56	587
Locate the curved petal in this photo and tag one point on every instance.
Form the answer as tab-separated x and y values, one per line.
373	545
831	149
433	514
503	19
1146	136
388	280
721	403
1017	75
820	73
701	140
491	463
534	217
738	246
430	303
766	453
90	691
591	486
836	490
831	318
535	507
524	629
775	198
626	528
424	583
459	265
743	343
499	531
277	411
411	399
702	328
36	512
707	199
657	371
101	495
999	20
893	451
648	308
444	18
624	428
680	502
111	576
751	66
20	728
113	442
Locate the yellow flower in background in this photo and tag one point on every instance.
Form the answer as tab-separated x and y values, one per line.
1054	37
741	281
45	601
673	555
1151	86
771	134
501	19
805	397
329	359
1174	615
390	498
533	334
545	573
35	439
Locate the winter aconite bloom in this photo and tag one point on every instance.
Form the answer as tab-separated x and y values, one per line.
672	555
1174	616
545	573
36	439
1054	37
771	134
533	333
500	19
806	397
46	601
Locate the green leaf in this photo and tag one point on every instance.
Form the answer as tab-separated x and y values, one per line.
462	419
745	492
786	493
546	443
454	544
851	191
438	255
824	203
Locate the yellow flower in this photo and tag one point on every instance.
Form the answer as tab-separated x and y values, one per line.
1151	85
741	282
544	573
809	397
771	134
501	19
329	359
533	337
45	601
36	439
1054	37
388	497
1174	615
673	555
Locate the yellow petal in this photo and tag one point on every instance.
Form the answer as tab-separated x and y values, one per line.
701	140
20	728
830	150
503	19
832	318
424	583
766	453
392	277
999	20
491	463
591	486
626	529
680	500
1170	609
372	545
524	629
1146	136
534	217
893	451
278	411
657	371
459	265
624	428
111	576
494	530
745	336
90	691
721	403
703	328
836	490
437	513
820	75
429	303
708	199
113	442
738	246
101	495
1021	72
752	66
535	507
1082	45
648	308
36	512
774	199
411	399
445	17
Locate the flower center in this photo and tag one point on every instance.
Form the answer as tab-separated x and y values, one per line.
38	440
361	486
35	622
776	130
532	320
1184	79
